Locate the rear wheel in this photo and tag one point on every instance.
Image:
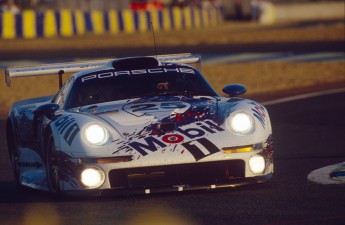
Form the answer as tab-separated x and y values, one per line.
52	167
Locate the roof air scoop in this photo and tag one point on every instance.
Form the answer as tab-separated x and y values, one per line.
135	63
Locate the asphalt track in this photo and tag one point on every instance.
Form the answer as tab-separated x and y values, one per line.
308	133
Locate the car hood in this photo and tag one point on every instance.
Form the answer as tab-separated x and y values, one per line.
155	116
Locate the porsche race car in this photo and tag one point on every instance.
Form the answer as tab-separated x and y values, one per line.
137	125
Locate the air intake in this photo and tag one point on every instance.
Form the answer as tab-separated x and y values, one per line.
135	63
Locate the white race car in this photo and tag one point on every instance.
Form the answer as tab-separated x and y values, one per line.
137	125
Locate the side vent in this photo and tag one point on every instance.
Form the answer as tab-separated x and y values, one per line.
135	63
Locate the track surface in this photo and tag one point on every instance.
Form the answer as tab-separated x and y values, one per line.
309	134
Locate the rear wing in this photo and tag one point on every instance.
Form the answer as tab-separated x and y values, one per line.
74	67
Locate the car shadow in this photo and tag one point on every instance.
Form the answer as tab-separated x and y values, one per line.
10	192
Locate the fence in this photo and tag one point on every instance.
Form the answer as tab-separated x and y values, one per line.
50	23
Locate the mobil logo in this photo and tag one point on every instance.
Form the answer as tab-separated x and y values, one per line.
197	144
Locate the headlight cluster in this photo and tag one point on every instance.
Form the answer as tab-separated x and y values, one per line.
92	177
241	123
96	134
257	164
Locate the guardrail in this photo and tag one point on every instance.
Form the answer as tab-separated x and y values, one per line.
31	24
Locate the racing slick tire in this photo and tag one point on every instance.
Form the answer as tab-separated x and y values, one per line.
52	168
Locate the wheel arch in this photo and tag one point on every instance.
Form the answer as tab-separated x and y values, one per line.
45	139
10	134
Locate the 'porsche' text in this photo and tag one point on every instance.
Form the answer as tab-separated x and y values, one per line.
110	74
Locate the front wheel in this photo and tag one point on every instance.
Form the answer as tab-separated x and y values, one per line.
52	167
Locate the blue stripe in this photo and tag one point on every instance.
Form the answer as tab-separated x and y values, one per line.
1	25
106	21
337	174
58	22
136	20
121	25
201	18
160	18
171	15
39	23
88	22
148	19
19	25
74	23
192	15
183	20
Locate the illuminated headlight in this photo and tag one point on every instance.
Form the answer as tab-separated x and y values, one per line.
92	177
96	134
241	123
257	164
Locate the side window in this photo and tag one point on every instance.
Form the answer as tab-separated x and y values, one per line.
61	98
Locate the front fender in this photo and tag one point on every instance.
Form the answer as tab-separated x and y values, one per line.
258	112
67	129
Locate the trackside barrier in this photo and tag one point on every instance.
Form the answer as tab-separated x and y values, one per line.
32	24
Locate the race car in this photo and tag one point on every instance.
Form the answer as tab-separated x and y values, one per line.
137	125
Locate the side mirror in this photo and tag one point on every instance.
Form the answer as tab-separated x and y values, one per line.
234	90
46	110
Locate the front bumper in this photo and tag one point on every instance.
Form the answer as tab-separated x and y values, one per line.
175	178
231	172
178	188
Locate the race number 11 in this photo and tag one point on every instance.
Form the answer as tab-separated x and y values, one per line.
200	148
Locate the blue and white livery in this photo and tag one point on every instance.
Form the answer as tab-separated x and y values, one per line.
137	125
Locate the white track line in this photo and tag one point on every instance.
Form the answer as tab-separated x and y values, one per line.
322	175
274	57
303	96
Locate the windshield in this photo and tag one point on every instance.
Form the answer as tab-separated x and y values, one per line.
113	85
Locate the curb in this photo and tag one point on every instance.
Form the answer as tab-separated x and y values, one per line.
66	23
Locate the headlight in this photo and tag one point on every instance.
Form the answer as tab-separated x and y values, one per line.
241	123
257	164
96	134
92	177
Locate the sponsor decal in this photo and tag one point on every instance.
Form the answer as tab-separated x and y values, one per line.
267	151
172	138
110	74
332	174
259	113
199	146
30	164
338	174
68	168
68	128
267	148
182	113
141	108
